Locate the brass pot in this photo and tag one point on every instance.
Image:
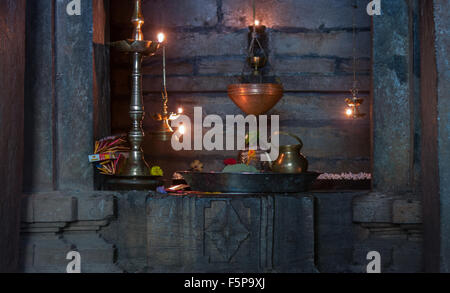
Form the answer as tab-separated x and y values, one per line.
290	160
255	98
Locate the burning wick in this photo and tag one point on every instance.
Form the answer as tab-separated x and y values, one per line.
256	22
349	112
180	110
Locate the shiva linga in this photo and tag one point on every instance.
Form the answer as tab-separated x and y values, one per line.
136	171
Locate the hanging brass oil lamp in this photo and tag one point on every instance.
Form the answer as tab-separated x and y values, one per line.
254	96
353	105
354	102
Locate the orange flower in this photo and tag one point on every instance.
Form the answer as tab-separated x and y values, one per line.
250	156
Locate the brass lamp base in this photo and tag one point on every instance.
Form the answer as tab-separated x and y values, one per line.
136	166
133	183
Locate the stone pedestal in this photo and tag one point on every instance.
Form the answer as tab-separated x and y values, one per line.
230	233
55	223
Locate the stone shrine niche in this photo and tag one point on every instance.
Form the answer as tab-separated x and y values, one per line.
206	50
66	108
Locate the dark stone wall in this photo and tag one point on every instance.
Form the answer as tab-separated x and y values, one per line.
101	84
73	97
442	47
435	142
310	49
429	142
67	89
39	98
351	224
394	98
12	67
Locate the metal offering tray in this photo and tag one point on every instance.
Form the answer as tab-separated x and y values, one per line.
249	182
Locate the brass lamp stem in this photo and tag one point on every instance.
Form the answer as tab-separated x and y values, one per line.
136	165
138	21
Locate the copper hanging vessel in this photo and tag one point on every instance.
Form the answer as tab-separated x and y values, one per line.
256	97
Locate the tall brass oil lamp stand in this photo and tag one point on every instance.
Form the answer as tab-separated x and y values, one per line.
136	171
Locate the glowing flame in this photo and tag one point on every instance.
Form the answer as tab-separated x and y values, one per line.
182	129
257	22
161	37
349	112
180	110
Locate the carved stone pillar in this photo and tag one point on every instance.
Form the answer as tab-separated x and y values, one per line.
67	97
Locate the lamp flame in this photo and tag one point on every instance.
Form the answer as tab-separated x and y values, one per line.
182	129
349	112
161	37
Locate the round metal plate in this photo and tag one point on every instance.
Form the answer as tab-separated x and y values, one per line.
249	182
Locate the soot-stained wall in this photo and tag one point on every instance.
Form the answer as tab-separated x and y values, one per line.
310	50
12	67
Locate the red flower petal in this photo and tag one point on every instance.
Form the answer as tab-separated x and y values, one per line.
230	161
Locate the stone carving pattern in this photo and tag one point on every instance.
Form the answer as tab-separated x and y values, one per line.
224	231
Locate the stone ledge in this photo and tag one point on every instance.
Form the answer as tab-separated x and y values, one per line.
66	221
387	208
63	207
407	211
95	207
48	207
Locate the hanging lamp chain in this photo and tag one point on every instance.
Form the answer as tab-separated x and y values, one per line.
254	12
355	82
254	35
355	6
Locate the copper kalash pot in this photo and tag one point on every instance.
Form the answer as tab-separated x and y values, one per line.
290	160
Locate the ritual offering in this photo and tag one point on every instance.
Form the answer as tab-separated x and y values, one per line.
343	181
240	168
109	154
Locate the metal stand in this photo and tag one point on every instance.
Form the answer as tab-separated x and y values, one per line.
136	168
